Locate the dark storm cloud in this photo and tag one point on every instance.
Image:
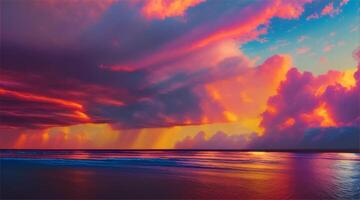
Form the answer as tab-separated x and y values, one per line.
331	138
321	138
167	109
218	141
105	56
30	111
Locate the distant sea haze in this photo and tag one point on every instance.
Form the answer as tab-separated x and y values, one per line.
69	174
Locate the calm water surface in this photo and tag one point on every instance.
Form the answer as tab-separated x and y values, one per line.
179	174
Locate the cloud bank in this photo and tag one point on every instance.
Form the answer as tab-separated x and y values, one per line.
135	65
308	112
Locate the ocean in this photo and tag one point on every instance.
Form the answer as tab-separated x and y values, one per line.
119	174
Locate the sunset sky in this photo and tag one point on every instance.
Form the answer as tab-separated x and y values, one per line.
238	74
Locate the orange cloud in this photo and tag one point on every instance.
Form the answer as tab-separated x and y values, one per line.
161	9
244	97
93	136
89	136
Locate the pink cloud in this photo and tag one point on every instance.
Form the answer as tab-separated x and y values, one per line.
291	9
312	16
302	50
328	47
329	9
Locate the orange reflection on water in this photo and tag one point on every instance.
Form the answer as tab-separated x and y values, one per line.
246	175
81	155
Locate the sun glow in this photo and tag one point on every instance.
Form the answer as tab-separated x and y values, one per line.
326	118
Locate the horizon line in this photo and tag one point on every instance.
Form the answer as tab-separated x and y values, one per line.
239	150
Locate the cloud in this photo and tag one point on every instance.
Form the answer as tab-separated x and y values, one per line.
35	101
181	99
343	103
279	44
31	111
188	97
133	78
86	135
329	9
302	38
245	22
331	138
312	16
323	60
292	8
161	9
145	44
344	2
64	22
289	109
168	109
150	64
305	102
341	43
332	34
219	140
321	138
244	96
328	47
308	112
302	50
353	29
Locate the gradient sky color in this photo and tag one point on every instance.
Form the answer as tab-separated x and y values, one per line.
239	74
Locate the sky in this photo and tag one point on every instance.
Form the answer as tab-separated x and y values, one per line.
186	74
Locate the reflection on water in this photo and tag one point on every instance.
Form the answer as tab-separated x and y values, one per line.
179	174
